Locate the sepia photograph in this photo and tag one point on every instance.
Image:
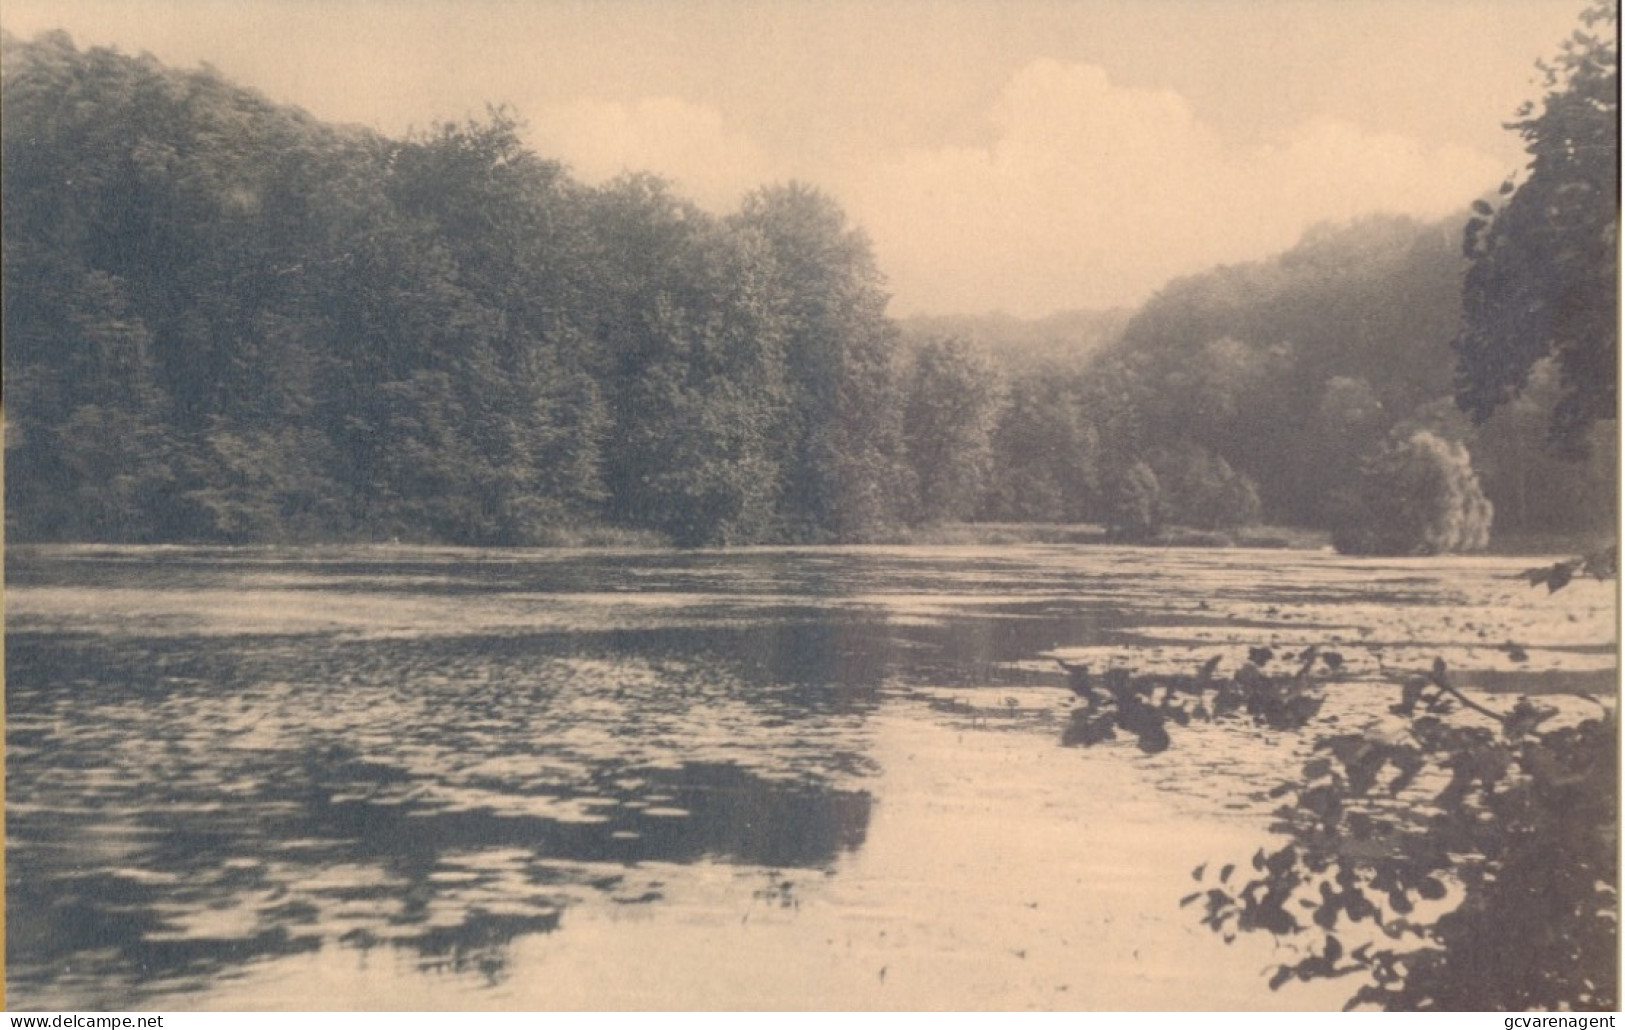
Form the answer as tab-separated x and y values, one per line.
815	505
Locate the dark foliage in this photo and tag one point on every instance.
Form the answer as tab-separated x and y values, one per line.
1544	281
1143	706
225	320
1417	495
1476	865
949	405
1043	465
1136	508
1469	862
1603	564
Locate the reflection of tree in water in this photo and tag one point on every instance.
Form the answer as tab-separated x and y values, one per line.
440	794
233	857
99	936
478	944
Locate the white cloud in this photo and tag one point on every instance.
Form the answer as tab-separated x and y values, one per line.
1088	193
689	144
1091	193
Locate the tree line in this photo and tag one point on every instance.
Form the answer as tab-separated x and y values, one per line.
226	320
1313	389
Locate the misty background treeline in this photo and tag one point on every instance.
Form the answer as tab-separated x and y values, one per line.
226	320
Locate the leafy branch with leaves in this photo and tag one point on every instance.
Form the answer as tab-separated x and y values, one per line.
1601	564
1143	706
1464	856
1544	276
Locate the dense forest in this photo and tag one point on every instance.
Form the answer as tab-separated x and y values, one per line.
227	321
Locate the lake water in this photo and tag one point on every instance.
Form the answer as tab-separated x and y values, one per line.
814	778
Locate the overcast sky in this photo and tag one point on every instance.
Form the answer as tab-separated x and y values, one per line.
1016	155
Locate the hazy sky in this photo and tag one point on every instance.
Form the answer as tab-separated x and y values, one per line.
1024	155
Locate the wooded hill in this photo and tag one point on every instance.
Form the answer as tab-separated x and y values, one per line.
226	320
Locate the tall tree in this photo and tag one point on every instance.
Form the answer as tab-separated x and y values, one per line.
510	342
951	400
1201	490
1418	494
845	473
1135	506
90	454
1533	493
1044	465
698	441
1545	264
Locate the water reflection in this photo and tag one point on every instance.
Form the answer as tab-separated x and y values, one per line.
179	807
220	758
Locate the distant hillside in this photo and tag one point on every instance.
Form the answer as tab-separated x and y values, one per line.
1065	338
1295	371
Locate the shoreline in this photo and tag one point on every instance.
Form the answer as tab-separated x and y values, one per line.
611	539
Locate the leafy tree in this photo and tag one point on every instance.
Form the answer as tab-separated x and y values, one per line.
692	320
1417	495
1483	859
1240	359
951	396
297	330
509	340
1535	491
256	484
1136	508
844	457
701	440
298	294
90	451
1349	424
1545	263
1045	453
198	206
1202	490
1445	863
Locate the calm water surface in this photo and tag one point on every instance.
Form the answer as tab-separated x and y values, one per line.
227	762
